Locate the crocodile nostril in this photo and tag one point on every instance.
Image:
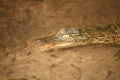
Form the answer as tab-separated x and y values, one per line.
40	42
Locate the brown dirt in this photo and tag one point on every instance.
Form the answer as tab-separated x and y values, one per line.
22	21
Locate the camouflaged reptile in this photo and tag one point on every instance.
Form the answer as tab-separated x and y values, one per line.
70	37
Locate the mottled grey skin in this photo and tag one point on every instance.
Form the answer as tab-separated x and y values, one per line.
74	37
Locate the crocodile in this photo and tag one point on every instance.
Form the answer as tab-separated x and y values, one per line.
71	37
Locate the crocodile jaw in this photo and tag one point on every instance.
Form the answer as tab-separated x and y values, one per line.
49	46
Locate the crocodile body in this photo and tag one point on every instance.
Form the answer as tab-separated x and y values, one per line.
70	37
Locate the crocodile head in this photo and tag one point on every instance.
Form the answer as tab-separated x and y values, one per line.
63	39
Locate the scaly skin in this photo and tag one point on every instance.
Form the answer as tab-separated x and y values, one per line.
74	37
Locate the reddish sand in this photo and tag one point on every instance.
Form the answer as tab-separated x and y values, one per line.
23	21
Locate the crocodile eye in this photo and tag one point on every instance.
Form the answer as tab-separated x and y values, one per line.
66	36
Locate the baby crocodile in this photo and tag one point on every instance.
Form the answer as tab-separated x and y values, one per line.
70	37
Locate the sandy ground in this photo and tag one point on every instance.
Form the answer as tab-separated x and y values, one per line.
23	21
